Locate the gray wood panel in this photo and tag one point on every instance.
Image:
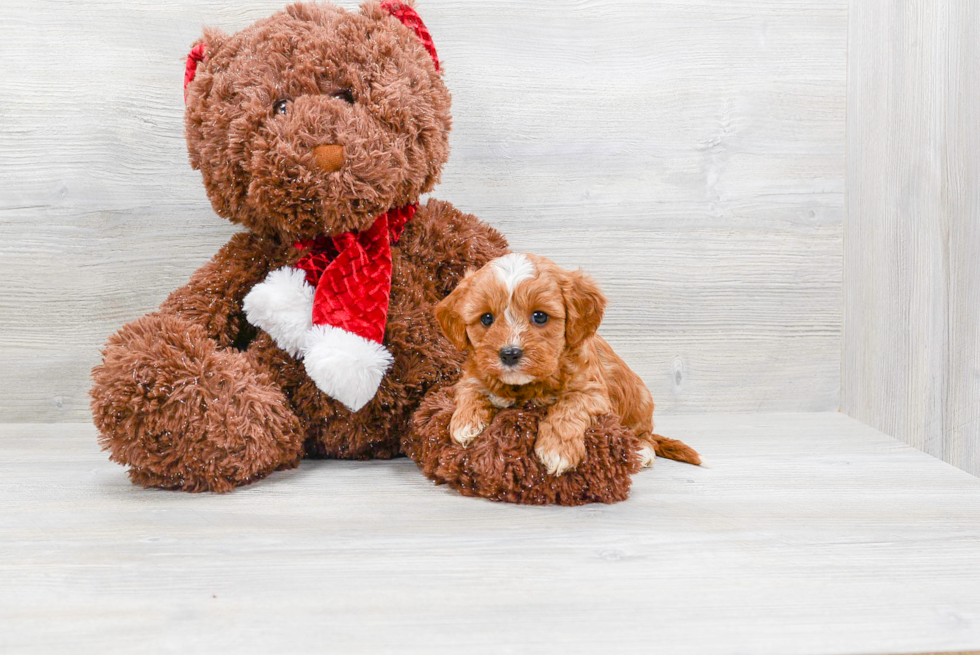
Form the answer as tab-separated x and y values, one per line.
912	255
810	534
688	154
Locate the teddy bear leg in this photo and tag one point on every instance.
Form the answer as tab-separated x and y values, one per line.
501	464
183	414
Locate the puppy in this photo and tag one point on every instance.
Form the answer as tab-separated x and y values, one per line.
529	328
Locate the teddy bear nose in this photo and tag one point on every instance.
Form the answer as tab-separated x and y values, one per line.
329	158
510	355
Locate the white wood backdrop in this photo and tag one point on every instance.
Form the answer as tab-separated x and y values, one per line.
688	153
912	277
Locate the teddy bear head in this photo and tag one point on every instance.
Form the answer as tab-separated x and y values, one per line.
317	119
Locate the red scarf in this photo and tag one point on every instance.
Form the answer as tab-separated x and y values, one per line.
351	273
330	309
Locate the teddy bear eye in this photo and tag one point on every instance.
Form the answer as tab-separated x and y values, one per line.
280	107
345	95
487	319
539	318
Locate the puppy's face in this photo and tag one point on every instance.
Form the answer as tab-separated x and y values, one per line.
519	314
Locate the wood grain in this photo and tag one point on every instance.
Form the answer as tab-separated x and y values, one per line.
810	534
688	154
912	260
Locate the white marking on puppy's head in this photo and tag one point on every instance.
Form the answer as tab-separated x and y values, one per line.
510	271
513	269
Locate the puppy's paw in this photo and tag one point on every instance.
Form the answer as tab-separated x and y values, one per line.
464	433
553	462
647	456
558	455
467	424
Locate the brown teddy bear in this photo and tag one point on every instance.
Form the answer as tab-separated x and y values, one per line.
312	332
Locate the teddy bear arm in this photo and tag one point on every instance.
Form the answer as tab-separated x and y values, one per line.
212	299
181	409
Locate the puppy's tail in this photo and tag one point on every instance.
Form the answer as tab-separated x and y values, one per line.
674	449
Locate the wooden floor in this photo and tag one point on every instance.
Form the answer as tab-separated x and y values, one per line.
811	533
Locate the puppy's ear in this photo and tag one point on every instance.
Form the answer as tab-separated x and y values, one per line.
584	305
447	313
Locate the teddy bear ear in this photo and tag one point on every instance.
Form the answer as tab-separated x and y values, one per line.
203	48
214	38
404	12
374	9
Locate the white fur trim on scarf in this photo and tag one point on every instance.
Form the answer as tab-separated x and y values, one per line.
345	366
282	306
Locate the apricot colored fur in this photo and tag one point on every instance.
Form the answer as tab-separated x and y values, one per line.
565	365
192	397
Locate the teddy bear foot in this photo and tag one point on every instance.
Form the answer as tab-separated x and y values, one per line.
500	464
183	414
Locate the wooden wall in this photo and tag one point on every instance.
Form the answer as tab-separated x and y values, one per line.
689	154
912	240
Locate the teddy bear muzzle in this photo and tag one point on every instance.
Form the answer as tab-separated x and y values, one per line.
329	157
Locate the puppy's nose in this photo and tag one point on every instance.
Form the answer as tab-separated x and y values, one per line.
510	355
329	157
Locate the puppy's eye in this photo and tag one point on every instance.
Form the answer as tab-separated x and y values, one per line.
539	318
487	319
345	95
280	107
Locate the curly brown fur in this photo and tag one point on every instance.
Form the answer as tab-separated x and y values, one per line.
362	81
194	398
185	414
500	463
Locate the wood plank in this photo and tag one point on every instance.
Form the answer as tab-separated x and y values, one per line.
688	154
811	533
912	277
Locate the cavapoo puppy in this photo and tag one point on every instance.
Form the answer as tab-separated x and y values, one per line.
529	328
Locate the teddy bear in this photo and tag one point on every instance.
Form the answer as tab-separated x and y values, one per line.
312	331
